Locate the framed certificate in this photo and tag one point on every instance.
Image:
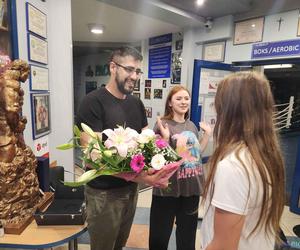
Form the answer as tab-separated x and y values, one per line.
214	51
248	31
298	31
39	78
38	49
36	21
40	109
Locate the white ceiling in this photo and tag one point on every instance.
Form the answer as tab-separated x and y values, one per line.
131	21
120	25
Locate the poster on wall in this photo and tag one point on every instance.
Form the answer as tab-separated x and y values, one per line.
158	93
38	49
159	64
148	83
176	68
39	78
147	93
40	109
36	21
41	146
148	112
210	79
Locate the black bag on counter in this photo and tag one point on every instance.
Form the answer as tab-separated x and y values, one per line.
67	208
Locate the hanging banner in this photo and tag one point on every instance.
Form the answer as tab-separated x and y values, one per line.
276	49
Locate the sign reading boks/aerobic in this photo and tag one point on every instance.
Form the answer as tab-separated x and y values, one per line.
276	49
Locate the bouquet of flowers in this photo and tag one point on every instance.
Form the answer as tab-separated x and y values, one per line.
125	154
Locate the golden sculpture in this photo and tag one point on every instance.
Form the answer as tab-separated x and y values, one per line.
19	187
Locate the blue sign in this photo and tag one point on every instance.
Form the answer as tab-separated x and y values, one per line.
159	65
276	49
160	39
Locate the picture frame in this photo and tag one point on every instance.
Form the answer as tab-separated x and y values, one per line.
40	110
37	49
179	44
158	94
148	111
248	31
39	78
148	83
147	94
36	20
137	94
136	85
298	30
164	83
214	52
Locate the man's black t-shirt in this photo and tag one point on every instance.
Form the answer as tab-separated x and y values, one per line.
101	110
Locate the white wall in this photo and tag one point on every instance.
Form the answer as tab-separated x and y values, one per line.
223	29
59	38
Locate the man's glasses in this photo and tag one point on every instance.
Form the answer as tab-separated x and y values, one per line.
130	69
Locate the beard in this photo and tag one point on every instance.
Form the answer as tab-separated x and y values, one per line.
122	83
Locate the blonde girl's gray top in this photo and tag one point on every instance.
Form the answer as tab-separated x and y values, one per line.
189	179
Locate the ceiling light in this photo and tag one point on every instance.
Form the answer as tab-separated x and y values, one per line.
200	2
96	28
278	66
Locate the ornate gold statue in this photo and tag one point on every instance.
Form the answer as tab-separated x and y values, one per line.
19	187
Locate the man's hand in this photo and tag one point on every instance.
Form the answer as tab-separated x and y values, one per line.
85	138
153	178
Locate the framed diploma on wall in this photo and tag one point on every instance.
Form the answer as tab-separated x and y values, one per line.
39	78
248	31
36	21
214	52
37	49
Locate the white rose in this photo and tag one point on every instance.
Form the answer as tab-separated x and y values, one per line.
158	161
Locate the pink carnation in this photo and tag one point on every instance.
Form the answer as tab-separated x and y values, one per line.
160	143
137	163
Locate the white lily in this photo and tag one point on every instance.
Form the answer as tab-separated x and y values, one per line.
88	130
146	136
122	139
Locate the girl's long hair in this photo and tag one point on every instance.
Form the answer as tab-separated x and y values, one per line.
244	106
168	115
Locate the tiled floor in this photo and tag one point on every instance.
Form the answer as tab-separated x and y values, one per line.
138	239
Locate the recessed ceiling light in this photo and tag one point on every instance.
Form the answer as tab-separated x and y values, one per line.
96	28
200	2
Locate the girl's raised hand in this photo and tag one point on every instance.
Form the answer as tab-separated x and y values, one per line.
163	128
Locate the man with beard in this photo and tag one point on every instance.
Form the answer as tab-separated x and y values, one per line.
111	201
